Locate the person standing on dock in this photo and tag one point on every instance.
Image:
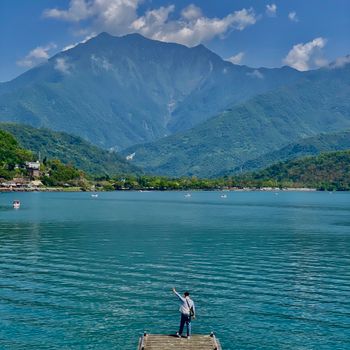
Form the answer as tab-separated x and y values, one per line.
187	310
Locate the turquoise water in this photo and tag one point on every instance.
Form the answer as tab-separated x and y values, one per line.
266	270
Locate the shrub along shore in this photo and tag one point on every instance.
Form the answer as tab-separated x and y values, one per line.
20	170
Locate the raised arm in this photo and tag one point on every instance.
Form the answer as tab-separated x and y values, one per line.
178	295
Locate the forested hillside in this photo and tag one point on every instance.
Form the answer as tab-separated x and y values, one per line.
264	124
310	146
11	155
328	171
69	150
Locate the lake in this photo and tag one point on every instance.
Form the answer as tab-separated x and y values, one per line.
266	270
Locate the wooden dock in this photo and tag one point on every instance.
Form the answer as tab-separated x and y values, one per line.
171	342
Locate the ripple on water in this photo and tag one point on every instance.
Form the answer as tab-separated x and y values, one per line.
266	273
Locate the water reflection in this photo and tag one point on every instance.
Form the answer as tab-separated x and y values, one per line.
266	271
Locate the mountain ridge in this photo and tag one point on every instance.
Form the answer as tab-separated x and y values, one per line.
263	124
312	146
120	91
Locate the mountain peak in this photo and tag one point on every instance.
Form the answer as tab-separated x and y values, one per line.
135	36
200	47
104	35
99	37
119	91
131	36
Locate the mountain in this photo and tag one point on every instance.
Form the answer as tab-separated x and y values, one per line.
328	171
309	146
318	103
119	91
69	150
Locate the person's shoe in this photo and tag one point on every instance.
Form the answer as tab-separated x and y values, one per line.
178	335
188	337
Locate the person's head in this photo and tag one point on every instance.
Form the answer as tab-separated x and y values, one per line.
186	294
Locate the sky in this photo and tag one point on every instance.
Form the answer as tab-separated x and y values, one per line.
303	34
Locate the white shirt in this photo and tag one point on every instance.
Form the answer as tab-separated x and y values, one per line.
184	309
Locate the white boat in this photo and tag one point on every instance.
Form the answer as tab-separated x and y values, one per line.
94	195
187	195
223	196
16	204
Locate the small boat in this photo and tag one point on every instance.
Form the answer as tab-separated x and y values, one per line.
187	195
94	195
16	204
223	196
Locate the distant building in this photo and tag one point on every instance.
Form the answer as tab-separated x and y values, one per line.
35	183
20	182
33	169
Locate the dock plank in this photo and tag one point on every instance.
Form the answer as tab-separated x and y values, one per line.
168	342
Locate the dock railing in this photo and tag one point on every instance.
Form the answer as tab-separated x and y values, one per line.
141	345
216	343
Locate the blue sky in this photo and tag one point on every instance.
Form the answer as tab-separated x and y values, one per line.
304	34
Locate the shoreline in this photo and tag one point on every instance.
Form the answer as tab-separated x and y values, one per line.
77	189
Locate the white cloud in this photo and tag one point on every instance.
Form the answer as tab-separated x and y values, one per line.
78	10
271	10
36	56
256	74
120	17
236	59
62	65
113	16
88	37
340	62
191	12
320	61
152	23
293	16
155	24
68	47
306	56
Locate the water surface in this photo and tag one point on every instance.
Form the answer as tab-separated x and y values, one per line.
266	270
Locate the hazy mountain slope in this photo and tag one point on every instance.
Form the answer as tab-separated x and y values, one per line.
228	86
120	91
320	103
309	146
69	150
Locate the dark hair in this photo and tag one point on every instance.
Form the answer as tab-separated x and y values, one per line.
186	294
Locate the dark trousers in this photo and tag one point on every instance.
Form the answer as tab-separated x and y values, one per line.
185	319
